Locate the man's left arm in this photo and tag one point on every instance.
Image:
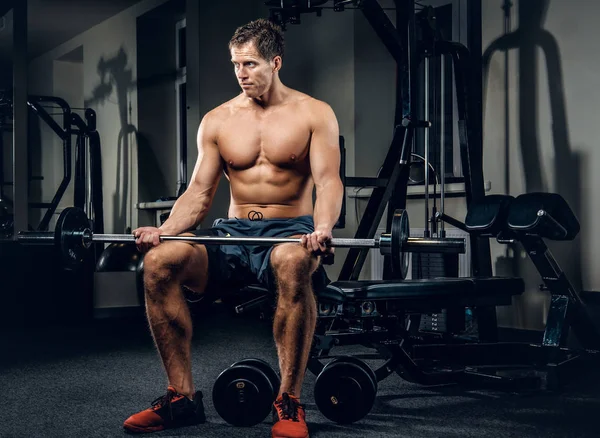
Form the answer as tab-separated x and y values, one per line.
325	169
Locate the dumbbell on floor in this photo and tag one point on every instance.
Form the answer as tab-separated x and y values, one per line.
345	389
244	393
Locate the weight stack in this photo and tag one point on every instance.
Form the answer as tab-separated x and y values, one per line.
432	265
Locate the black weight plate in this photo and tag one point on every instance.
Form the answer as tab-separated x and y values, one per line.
344	392
400	233
68	236
266	368
360	363
243	395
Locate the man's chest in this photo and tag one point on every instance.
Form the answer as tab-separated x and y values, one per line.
280	139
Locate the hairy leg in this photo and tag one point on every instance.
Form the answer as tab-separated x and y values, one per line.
166	268
296	313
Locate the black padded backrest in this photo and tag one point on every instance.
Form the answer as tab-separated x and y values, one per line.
557	223
488	216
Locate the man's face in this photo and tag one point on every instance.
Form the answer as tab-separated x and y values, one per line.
254	73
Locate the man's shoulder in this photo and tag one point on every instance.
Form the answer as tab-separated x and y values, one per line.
222	111
313	106
312	103
225	107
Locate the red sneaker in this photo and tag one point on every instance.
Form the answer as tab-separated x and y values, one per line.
289	418
167	412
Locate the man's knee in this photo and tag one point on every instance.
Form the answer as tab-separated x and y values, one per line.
293	263
167	263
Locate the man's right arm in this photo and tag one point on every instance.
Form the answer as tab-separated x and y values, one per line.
193	205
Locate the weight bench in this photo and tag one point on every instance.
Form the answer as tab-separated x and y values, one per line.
424	295
376	315
383	301
374	312
529	219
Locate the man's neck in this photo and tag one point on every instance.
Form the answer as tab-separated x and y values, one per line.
274	96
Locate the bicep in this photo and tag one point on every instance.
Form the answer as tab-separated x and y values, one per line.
208	168
325	146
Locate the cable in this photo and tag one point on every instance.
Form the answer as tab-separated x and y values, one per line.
414	154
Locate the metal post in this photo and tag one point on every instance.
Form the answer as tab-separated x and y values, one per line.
442	170
426	154
89	175
20	168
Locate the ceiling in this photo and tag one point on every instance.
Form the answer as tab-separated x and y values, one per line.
52	22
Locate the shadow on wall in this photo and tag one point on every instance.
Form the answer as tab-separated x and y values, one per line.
116	77
529	38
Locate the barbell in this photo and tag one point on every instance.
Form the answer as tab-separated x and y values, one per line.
72	237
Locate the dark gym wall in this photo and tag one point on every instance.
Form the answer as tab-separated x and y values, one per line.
110	88
375	99
6	67
157	118
6	81
552	130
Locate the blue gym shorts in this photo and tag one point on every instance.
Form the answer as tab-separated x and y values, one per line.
231	267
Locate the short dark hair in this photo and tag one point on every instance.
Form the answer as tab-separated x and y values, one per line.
266	35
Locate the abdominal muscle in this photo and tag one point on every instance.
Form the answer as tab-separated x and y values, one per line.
276	193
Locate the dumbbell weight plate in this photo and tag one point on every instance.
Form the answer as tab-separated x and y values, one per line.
67	237
243	395
360	363
365	367
345	391
265	368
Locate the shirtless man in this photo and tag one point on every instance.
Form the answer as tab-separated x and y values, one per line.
275	145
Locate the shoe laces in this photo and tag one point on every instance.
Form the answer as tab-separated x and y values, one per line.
288	407
165	400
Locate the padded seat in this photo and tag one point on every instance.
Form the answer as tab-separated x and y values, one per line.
433	291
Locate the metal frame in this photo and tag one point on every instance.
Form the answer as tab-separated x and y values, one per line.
400	41
64	133
20	126
567	309
402	44
87	196
180	116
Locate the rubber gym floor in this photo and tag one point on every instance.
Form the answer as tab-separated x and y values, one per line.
83	382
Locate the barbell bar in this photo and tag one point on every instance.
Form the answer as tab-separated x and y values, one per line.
413	244
73	237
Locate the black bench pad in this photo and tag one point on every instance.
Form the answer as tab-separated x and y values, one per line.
459	291
559	223
488	216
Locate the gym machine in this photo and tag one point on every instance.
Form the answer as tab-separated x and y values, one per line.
36	290
88	175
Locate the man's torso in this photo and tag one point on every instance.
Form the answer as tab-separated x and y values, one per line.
265	156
